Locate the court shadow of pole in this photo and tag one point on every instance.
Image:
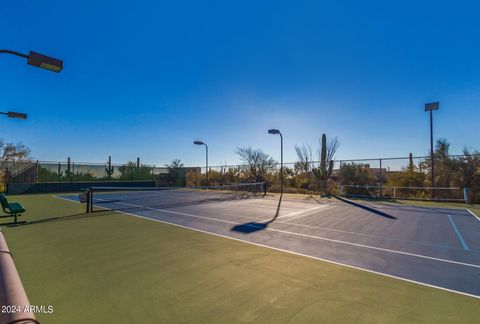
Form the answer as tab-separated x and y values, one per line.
252	227
367	208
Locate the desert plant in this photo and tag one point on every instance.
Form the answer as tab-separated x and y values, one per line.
130	171
109	169
326	154
176	173
260	164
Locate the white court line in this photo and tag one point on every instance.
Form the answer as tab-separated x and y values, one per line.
67	199
301	212
309	213
329	229
457	231
478	218
256	204
292	252
306	235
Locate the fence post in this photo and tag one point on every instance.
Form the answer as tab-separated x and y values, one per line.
381	180
340	178
69	170
37	171
88	202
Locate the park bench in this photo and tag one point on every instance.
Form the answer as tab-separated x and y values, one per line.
12	209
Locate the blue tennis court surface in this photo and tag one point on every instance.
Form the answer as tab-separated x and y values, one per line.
438	247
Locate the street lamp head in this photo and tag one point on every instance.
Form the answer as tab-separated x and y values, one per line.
18	115
12	114
432	106
273	131
199	143
45	62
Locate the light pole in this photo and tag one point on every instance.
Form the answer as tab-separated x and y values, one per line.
206	159
275	132
431	107
38	60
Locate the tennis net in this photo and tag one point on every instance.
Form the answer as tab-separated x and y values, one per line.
121	198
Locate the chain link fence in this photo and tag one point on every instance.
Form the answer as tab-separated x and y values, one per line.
404	177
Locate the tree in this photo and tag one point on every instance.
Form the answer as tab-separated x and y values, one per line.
451	171
305	158
319	175
259	164
222	175
176	173
469	167
233	174
469	174
47	175
10	151
408	177
357	174
445	166
303	170
83	176
130	171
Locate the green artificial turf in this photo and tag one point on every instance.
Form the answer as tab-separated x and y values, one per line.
108	267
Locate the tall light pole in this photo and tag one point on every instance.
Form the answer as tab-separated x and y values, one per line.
275	132
206	159
38	60
431	107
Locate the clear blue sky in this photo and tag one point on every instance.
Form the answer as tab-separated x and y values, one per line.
146	78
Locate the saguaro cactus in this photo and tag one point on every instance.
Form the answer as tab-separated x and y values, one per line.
411	166
59	172
109	169
324	171
68	172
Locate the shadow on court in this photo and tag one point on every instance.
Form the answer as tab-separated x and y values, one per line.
252	227
10	224
367	208
57	219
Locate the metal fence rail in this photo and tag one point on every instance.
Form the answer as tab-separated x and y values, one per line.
298	176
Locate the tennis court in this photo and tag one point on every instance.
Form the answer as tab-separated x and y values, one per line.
116	266
437	247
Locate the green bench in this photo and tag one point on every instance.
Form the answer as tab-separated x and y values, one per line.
12	209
